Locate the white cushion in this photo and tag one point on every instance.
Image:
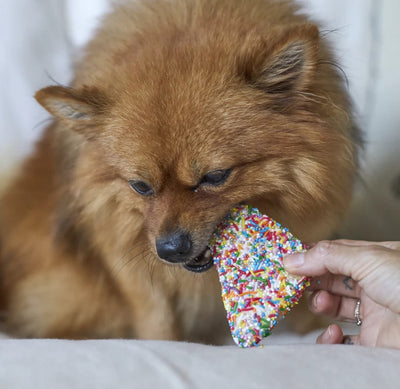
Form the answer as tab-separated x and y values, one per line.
152	364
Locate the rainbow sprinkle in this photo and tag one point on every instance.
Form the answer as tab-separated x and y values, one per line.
256	290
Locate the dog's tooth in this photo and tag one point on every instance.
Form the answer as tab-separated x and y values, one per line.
207	254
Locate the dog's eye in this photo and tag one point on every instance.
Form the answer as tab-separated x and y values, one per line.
141	187
215	178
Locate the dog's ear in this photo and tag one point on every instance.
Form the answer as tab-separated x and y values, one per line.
285	64
79	108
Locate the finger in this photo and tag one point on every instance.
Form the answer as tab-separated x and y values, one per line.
351	340
340	285
337	258
393	245
339	308
332	335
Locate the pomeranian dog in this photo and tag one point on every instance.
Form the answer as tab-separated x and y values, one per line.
178	111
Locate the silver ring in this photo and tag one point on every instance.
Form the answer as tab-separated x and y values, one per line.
357	313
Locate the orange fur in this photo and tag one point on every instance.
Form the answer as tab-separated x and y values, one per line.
168	91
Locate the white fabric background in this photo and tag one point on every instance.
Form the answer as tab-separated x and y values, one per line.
120	364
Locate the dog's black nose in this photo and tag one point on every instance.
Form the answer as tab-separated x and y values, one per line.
174	247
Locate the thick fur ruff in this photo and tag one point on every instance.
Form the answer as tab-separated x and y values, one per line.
167	92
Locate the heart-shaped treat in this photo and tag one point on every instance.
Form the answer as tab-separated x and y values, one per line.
256	290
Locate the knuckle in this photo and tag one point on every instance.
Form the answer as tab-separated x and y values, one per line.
344	241
392	245
323	248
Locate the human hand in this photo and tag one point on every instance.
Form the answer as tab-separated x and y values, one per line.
347	271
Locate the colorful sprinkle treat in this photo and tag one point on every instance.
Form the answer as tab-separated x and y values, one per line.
256	290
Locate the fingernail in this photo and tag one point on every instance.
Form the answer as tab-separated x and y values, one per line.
316	301
324	338
293	261
327	335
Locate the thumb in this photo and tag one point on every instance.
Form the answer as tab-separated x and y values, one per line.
324	257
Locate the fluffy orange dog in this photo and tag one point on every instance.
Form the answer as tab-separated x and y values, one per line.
179	110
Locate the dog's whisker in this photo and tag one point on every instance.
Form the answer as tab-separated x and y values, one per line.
145	257
120	264
148	266
126	253
132	265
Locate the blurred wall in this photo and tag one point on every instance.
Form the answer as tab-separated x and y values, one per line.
39	39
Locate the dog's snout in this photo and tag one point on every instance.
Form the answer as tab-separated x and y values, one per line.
174	247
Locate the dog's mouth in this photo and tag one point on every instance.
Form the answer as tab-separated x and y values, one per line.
201	263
